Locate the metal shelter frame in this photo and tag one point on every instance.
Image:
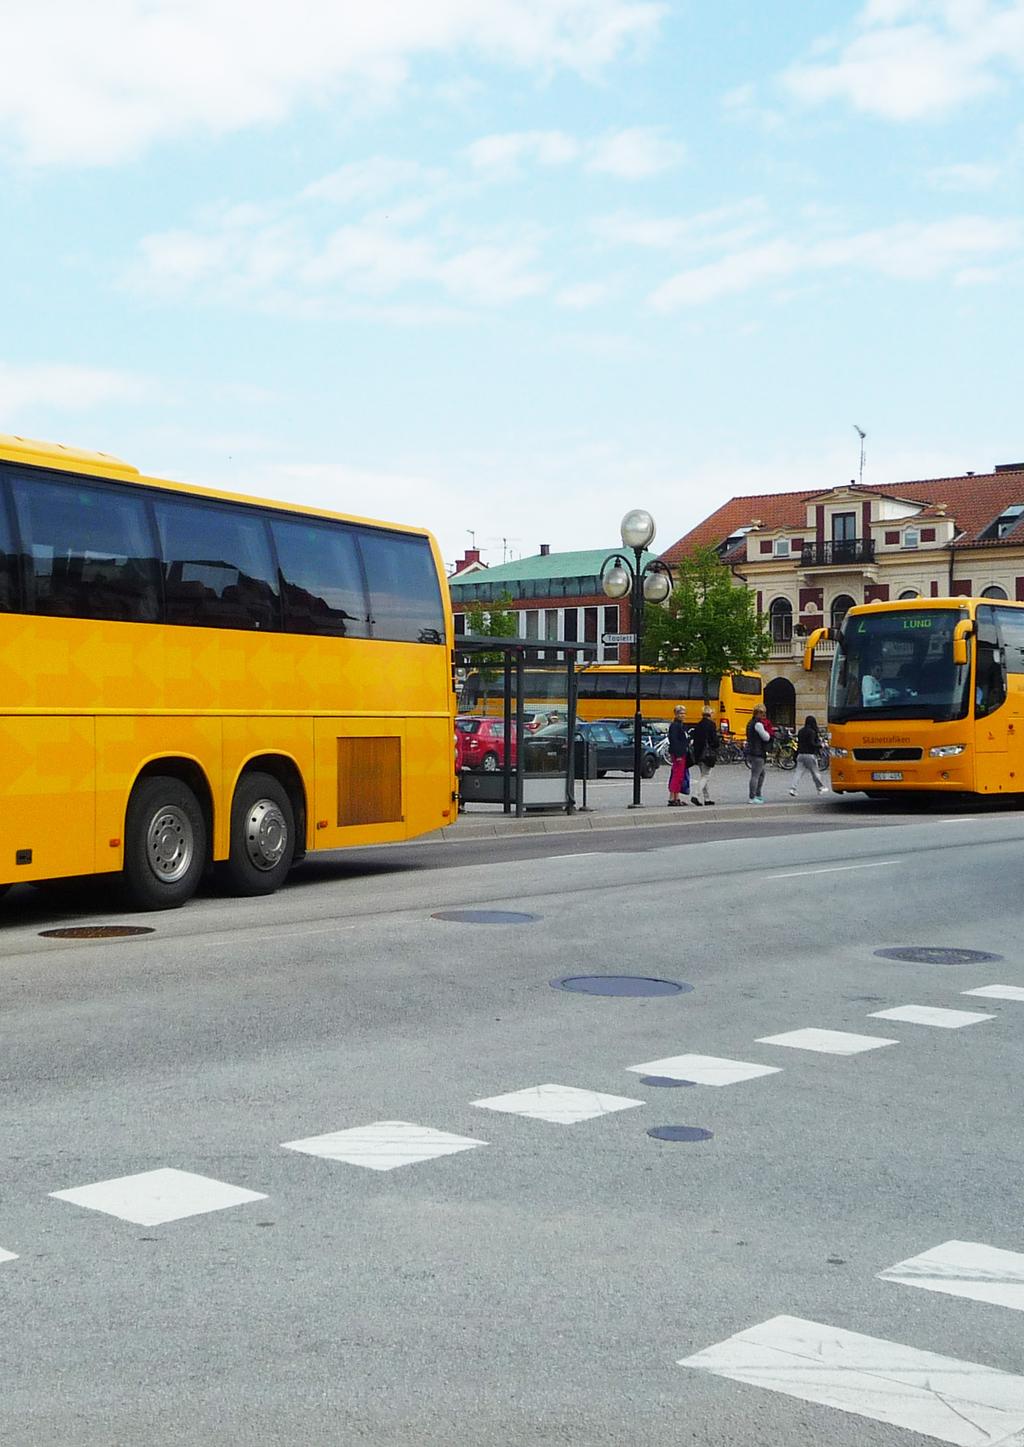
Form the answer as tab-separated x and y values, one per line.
516	653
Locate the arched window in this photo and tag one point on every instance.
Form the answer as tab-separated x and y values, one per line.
840	607
993	592
780	620
908	594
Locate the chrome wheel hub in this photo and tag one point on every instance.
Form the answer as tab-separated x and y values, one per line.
170	844
266	834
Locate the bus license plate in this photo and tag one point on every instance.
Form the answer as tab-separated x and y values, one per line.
889	777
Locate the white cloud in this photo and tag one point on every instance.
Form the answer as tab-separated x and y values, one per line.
722	228
62	387
635	154
505	152
583	296
906	252
99	83
371	179
966	176
916	59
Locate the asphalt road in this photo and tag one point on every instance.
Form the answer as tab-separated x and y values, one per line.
526	1279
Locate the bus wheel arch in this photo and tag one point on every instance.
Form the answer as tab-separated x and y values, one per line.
167	832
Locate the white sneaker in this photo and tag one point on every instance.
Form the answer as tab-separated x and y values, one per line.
792	793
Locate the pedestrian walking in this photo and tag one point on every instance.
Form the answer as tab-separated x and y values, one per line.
705	754
808	742
758	739
679	752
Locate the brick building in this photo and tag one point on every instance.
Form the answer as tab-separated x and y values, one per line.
809	556
556	595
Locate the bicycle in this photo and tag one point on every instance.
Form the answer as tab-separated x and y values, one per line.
780	753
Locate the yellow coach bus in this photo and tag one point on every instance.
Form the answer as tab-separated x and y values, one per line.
608	690
194	678
927	695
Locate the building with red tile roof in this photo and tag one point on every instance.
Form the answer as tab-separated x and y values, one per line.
809	556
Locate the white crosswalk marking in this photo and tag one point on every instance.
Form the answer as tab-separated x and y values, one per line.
997	992
8	1255
965	1268
940	1018
561	1104
704	1069
959	1402
153	1198
384	1145
826	1042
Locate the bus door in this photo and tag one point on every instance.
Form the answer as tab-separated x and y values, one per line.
993	711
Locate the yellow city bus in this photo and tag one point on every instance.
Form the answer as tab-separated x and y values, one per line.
927	695
195	678
608	690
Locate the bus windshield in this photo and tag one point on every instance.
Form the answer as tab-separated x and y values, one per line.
898	665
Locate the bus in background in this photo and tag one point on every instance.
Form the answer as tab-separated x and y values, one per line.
608	690
927	695
195	678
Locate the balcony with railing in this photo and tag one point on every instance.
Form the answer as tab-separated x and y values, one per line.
844	553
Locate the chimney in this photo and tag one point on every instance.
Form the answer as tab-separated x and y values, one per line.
545	549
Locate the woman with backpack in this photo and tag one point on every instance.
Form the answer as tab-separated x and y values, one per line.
705	753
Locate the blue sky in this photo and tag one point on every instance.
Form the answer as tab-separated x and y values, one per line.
515	266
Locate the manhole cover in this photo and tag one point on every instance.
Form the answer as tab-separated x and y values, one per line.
927	955
679	1133
95	932
663	1080
619	985
485	916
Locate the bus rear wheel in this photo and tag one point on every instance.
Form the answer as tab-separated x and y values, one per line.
262	836
165	844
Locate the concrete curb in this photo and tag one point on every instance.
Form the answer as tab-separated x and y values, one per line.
468	829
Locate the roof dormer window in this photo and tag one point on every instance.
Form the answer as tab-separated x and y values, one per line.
1006	521
782	547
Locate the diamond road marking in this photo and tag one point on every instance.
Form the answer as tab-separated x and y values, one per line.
562	1104
8	1256
965	1268
384	1145
960	1402
942	1019
997	992
704	1069
155	1197
827	1042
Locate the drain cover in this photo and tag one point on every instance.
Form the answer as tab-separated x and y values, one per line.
619	985
485	916
679	1133
663	1080
927	955
95	932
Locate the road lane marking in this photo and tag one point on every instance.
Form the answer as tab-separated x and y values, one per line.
826	1042
834	869
960	1402
965	1268
8	1255
560	1104
704	1069
997	992
152	1198
941	1019
383	1146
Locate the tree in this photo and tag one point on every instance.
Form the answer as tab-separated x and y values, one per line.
495	622
707	623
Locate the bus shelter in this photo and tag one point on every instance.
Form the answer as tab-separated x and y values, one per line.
518	788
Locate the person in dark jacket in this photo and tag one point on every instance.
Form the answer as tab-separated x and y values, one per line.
705	754
758	739
808	742
679	751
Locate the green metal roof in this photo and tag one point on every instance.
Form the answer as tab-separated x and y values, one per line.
545	565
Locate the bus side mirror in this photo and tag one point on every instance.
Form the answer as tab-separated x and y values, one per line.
818	636
961	633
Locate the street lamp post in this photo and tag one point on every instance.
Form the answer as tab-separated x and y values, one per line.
649	583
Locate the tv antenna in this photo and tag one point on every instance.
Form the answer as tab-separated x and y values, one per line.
472	537
862	435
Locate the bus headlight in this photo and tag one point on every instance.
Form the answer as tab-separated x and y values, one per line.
839	753
945	751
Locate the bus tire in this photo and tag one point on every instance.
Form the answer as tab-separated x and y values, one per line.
165	844
262	836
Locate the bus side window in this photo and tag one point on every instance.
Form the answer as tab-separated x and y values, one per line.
8	558
218	570
405	599
989	681
321	577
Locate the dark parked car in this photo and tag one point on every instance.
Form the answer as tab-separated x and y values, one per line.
614	747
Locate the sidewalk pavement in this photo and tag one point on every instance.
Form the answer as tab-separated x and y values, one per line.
608	803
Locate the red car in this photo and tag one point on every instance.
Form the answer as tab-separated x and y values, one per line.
480	744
